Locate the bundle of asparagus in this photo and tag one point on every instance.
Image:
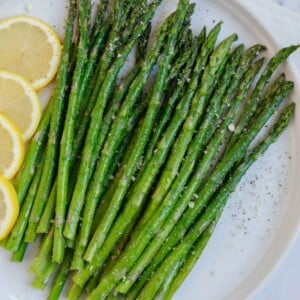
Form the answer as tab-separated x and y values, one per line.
126	178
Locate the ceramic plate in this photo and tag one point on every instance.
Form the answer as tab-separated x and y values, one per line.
262	216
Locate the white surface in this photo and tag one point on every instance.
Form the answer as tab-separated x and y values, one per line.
245	246
284	282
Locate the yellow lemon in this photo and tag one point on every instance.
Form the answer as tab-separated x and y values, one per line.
19	103
9	207
30	48
12	148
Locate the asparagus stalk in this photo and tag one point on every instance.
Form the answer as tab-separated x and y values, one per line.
118	17
268	95
167	141
180	271
48	215
145	129
199	102
143	133
100	19
43	266
25	176
125	262
60	278
78	262
104	64
214	181
176	94
81	277
265	78
107	196
89	78
33	154
52	148
66	143
119	125
95	126
18	255
114	185
142	44
108	119
75	292
212	211
171	201
16	236
229	159
173	283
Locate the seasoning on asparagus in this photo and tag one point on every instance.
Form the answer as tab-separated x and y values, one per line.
213	209
58	105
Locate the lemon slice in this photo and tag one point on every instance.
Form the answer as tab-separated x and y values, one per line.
19	103
30	48
11	149
9	207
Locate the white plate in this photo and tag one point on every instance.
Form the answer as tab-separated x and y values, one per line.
263	215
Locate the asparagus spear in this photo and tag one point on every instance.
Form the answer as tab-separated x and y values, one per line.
25	176
95	126
105	61
143	133
249	56
75	292
89	79
174	282
18	255
215	207
107	196
16	236
176	94
160	156
58	105
180	271
84	275
268	95
48	215
142	44
265	78
171	201
66	143
100	19
43	266
78	262
118	18
113	277
109	193
119	125
41	134
131	210
162	76
199	102
228	160
60	278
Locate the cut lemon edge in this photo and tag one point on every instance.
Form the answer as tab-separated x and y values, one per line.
9	207
52	38
18	148
27	130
